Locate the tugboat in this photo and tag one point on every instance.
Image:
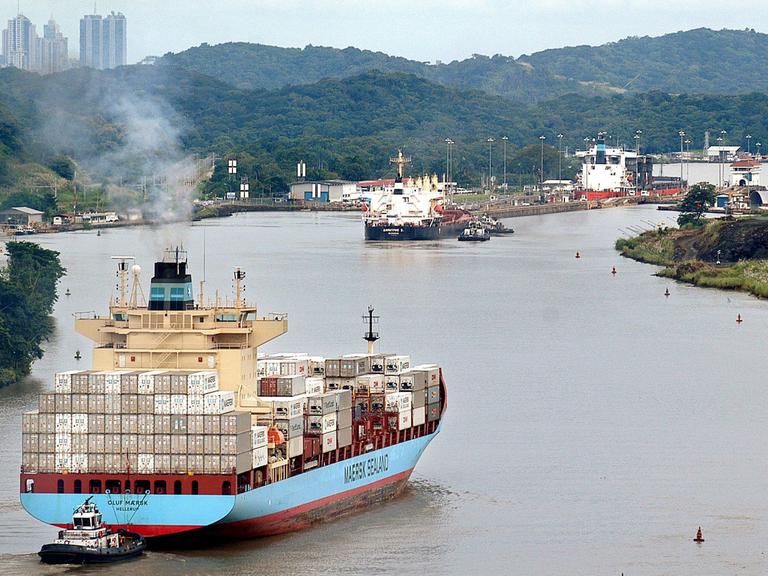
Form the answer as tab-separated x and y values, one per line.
475	234
495	227
90	541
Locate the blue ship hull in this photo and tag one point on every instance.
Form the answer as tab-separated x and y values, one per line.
283	506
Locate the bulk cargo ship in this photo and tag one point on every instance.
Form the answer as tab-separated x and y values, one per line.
413	212
182	427
611	172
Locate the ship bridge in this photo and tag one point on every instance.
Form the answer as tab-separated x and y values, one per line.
173	331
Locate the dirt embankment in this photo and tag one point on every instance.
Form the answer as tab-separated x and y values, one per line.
728	254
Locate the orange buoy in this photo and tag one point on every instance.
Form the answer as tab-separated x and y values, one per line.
613	270
699	537
666	292
739	320
578	255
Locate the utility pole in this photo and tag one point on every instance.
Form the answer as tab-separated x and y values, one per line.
682	135
541	175
504	139
559	158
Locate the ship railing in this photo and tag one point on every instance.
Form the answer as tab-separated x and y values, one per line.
277	316
231	346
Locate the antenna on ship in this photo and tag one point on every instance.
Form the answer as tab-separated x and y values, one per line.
137	294
370	336
122	278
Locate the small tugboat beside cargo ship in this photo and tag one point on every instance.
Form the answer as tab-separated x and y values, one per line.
183	428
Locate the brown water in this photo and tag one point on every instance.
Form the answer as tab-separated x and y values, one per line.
593	424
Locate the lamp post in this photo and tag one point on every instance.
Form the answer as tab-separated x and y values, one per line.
490	163
541	175
504	139
748	137
682	135
687	158
448	158
757	145
559	158
585	168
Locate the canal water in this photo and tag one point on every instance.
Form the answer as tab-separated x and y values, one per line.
593	423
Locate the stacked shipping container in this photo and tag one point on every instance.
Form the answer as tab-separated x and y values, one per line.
141	422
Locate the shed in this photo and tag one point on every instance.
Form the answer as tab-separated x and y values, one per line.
20	216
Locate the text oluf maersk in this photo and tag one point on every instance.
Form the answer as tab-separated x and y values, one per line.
366	468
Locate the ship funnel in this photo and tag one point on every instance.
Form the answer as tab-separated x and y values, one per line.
171	286
600	155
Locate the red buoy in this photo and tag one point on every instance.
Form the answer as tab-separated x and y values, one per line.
699	537
739	319
578	255
613	270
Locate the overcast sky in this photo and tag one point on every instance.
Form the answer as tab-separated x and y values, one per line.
426	30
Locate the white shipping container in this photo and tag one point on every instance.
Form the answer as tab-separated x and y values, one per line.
78	462
112	382
46	442
404	420
80	423
129	423
259	436
63	443
96	383
329	442
147	382
428	374
419	416
396	364
295	447
259	456
63	462
391	383
30	462
329	423
195	404
162	403
63	381
63	423
203	382
397	402
146	463
288	407
63	402
219	402
315	385
47	403
178	403
46	462
95	403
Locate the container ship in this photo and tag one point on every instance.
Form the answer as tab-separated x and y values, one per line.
416	211
183	428
613	172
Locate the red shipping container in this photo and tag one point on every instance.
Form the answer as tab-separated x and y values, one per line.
311	446
268	387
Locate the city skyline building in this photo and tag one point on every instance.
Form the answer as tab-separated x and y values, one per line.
20	43
90	41
103	41
53	49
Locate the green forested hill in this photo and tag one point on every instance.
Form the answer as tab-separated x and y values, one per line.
251	66
120	123
695	61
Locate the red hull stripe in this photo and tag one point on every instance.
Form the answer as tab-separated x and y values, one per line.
278	517
148	530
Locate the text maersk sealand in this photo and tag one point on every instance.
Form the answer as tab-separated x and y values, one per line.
182	427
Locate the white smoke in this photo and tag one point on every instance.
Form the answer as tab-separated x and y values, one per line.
127	141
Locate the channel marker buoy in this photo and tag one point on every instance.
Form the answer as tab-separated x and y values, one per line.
739	319
578	255
613	270
699	538
666	292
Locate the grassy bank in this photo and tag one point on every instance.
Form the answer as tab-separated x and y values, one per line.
692	255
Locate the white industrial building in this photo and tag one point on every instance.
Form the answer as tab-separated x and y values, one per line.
323	190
